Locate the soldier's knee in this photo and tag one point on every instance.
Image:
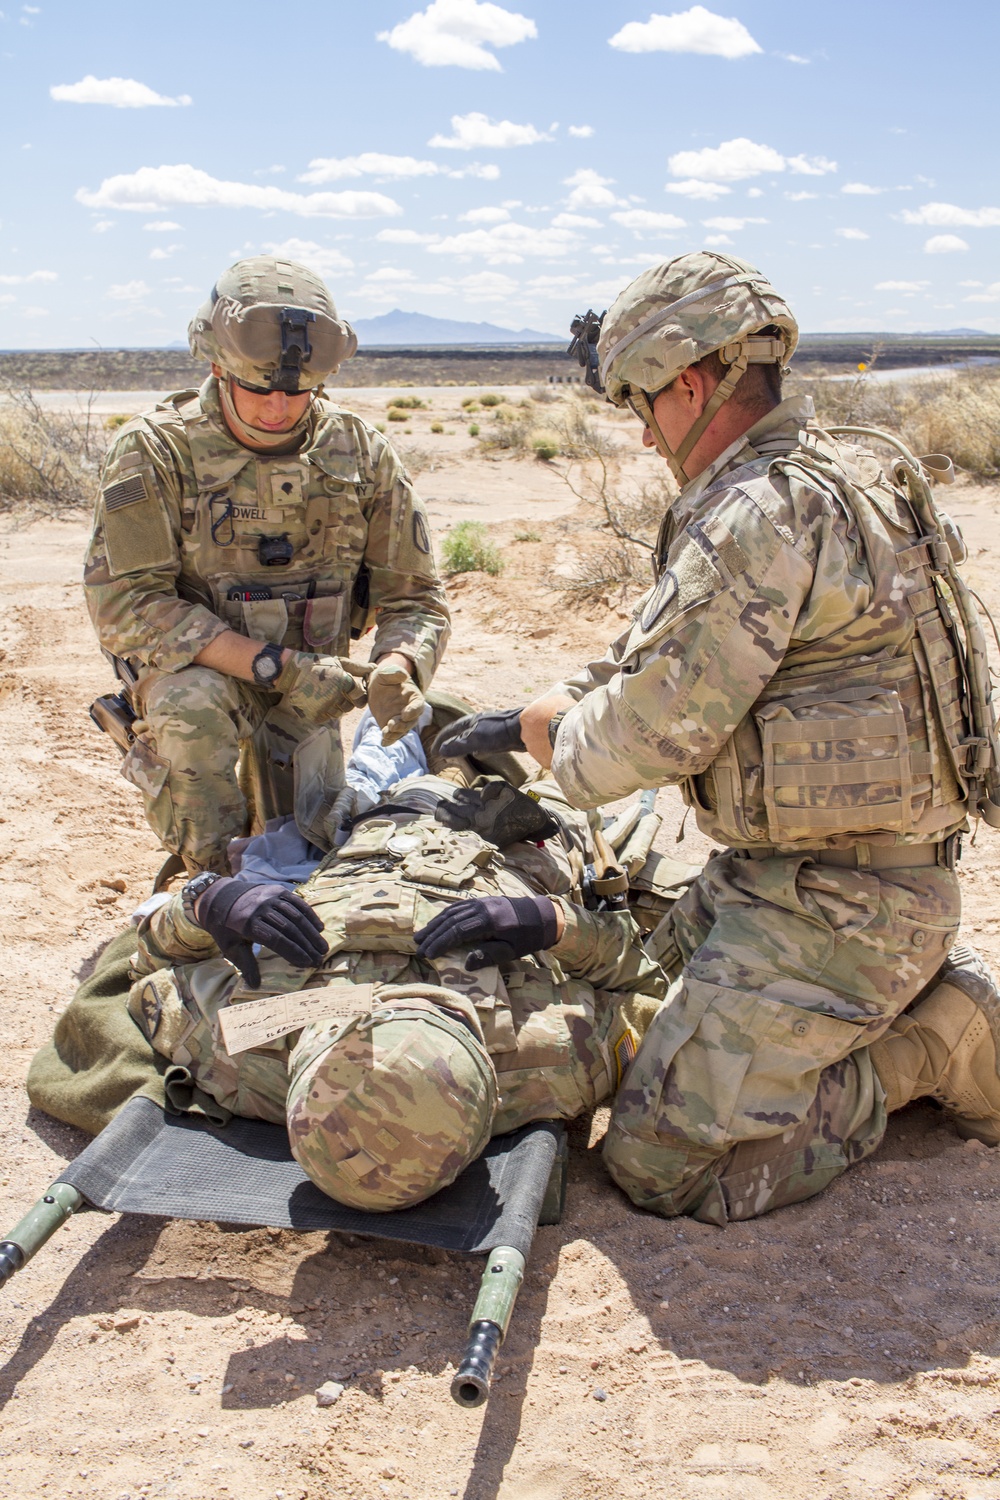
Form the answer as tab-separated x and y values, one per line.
194	695
665	1176
389	1108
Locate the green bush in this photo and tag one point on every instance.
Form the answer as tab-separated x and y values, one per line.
408	403
474	429
470	403
468	549
490	399
527	536
437	427
397	416
546	445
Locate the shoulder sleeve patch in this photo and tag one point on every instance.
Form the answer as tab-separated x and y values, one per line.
137	531
730	553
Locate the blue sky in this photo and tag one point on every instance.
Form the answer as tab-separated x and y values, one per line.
512	163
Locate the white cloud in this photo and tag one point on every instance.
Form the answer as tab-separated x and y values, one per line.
694	30
575	221
590	190
811	166
731	162
989	294
853	234
485	216
861	188
456	34
476	131
101	226
692	187
128	291
151	188
717	239
948	215
389	274
7	298
645	220
756	192
488	284
798	197
319	258
944	244
406	237
34	312
901	286
730	226
164	252
793	57
740	158
508	244
581	132
31	276
368	164
121	93
161	226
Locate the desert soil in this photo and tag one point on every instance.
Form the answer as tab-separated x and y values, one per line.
847	1347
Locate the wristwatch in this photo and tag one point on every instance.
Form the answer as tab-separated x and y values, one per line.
193	889
266	665
554	723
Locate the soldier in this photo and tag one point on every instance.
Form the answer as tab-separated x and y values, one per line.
453	992
809	668
241	531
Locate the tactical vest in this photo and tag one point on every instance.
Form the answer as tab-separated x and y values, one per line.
309	503
884	730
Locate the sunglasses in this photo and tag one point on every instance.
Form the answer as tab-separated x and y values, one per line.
265	390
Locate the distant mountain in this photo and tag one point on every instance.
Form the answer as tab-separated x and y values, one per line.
398	327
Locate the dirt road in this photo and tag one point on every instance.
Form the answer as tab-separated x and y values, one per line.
845	1348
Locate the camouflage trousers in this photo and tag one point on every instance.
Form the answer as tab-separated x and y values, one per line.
216	758
753	1087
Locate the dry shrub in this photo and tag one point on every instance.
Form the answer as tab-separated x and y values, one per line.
49	461
569	433
955	414
632	513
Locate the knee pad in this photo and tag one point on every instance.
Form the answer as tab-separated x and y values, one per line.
392	1106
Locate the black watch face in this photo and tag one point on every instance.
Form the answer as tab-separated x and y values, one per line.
265	668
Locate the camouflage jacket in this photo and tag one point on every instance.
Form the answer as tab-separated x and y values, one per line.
792	665
560	1027
179	520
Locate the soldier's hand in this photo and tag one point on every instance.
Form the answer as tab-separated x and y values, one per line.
481	734
320	688
498	929
395	700
237	915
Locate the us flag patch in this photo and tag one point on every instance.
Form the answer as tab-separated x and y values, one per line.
125	492
624	1051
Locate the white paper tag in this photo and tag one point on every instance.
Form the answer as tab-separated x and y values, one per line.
255	1023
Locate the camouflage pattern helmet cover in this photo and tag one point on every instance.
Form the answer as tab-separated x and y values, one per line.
272	323
393	1105
680	310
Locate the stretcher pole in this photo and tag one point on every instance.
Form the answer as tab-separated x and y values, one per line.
488	1326
37	1227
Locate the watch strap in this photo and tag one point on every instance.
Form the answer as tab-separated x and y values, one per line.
193	889
270	652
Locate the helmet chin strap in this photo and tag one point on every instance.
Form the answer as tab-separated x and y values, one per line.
718	399
258	437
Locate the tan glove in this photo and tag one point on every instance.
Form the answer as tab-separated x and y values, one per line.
395	701
320	688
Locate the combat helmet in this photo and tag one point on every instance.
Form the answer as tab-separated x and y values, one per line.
273	326
390	1107
675	314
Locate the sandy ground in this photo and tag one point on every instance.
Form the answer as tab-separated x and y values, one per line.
845	1348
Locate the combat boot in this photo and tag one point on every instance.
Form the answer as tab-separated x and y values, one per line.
948	1047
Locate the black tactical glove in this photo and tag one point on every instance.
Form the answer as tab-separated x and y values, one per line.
497	928
498	812
481	734
237	915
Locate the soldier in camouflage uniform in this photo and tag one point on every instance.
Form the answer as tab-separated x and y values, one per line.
240	532
444	992
808	666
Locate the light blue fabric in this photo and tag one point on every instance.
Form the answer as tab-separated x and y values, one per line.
374	767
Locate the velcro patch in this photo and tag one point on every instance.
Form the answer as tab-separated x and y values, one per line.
124	492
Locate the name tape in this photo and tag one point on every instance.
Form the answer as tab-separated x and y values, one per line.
256	1023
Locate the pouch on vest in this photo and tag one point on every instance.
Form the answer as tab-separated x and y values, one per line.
836	765
323	623
381	916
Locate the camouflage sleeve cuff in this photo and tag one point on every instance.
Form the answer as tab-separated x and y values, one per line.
168	937
584	945
178	646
